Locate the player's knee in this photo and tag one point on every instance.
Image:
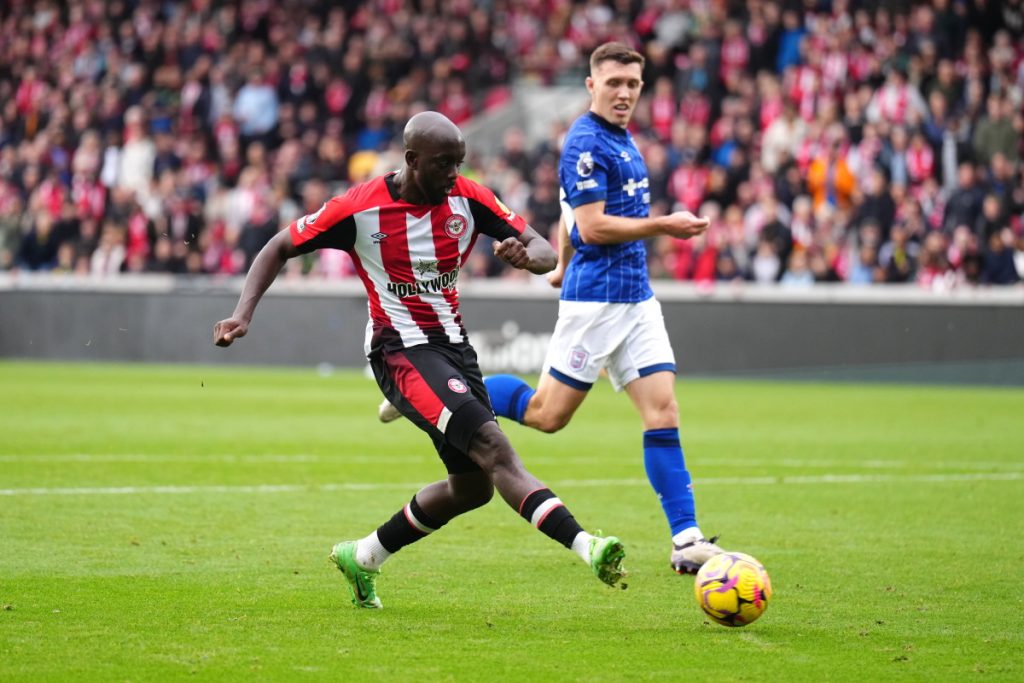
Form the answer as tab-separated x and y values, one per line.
669	412
470	491
490	448
477	497
550	423
471	498
661	414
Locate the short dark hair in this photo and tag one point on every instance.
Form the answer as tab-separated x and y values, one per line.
615	52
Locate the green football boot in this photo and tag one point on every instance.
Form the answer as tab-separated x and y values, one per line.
361	582
606	559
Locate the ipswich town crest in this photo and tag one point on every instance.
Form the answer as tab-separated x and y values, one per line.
578	357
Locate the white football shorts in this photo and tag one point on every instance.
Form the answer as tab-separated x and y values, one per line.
629	340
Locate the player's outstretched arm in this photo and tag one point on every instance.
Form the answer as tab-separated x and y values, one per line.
529	252
264	270
597	227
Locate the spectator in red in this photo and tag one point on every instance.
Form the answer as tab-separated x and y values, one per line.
934	271
115	94
897	101
663	108
688	183
734	55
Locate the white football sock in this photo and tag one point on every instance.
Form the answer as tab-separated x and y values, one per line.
687	536
581	545
370	554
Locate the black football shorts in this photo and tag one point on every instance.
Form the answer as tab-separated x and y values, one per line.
440	389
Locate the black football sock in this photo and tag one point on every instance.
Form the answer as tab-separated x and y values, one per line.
546	512
408	525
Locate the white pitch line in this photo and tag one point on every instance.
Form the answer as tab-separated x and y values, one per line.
145	490
302	458
228	459
579	483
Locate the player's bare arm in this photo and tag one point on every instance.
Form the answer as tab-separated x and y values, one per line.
262	273
565	252
597	227
529	252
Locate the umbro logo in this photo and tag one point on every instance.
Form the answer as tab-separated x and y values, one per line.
378	237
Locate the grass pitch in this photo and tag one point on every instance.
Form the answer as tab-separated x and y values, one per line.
160	522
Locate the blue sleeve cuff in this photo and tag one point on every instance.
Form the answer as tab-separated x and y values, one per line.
584	198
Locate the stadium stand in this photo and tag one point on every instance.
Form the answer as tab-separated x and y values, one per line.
861	142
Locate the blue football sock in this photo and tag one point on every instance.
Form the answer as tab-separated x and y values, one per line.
509	396
666	470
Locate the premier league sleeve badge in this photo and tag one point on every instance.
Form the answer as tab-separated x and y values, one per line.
585	165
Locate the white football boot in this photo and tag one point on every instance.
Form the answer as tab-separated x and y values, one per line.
387	412
689	557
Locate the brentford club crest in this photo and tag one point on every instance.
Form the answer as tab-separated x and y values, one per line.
455	225
456	385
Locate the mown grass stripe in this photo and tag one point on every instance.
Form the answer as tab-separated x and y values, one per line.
581	483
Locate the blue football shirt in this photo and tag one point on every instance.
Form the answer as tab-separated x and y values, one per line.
600	162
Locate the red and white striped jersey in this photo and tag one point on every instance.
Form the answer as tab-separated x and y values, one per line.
408	255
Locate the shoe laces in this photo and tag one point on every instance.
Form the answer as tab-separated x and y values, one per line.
711	541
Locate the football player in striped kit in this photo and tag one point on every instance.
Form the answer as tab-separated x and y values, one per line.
608	317
409	233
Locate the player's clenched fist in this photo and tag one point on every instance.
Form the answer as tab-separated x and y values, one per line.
512	252
684	225
556	276
227	331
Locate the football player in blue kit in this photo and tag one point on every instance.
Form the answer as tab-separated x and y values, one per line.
608	317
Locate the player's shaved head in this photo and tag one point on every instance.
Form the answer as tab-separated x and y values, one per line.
434	151
430	127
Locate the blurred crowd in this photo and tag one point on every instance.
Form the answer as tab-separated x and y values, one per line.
862	142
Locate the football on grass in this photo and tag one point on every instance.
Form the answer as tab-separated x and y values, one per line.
733	589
